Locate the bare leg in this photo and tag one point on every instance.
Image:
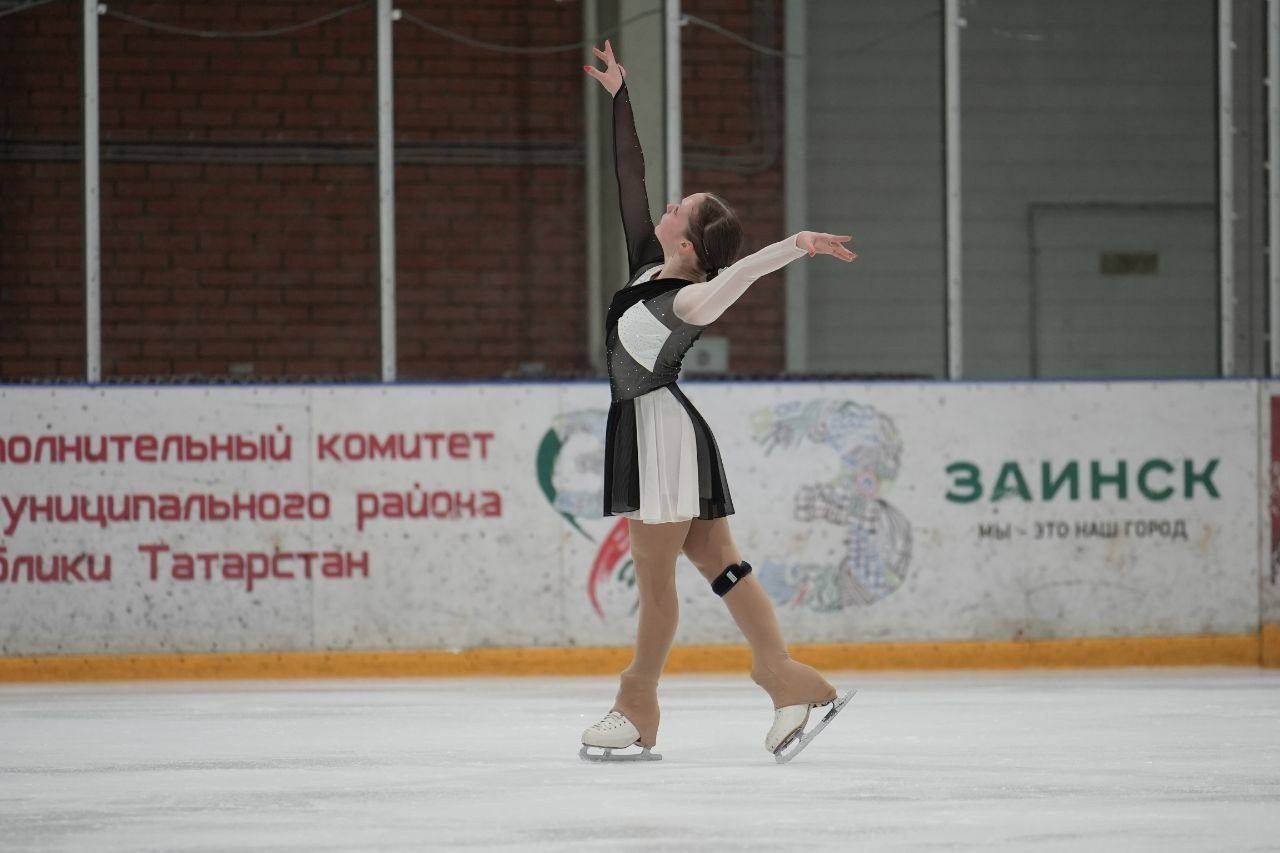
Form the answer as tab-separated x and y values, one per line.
710	547
654	547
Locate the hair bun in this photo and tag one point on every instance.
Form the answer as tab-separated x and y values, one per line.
716	234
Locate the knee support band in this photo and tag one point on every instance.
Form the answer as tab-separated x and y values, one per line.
729	578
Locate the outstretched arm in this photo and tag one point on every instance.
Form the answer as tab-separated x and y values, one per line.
702	304
637	223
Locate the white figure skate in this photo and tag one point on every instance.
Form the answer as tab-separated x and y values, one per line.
787	737
614	732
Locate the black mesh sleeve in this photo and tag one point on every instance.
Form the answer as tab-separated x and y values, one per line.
643	248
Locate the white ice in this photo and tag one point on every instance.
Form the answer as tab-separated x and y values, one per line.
1094	760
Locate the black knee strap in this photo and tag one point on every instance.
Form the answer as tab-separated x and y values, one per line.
729	578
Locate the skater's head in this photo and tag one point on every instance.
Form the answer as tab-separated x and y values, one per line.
703	229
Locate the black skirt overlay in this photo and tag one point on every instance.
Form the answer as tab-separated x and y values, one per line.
655	330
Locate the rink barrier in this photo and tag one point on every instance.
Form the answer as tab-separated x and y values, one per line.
1270	640
1200	650
464	516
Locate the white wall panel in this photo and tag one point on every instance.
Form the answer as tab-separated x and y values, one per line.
842	493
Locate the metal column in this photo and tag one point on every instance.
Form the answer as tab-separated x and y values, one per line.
591	121
671	62
1226	194
952	22
796	182
1273	179
386	193
92	197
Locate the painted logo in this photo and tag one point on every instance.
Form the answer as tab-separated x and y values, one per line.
846	546
867	541
571	474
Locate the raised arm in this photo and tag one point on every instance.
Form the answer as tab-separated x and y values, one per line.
701	304
643	248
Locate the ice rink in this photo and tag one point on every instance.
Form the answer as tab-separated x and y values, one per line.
1097	760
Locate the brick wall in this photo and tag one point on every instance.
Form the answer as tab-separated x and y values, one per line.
41	284
239	220
733	112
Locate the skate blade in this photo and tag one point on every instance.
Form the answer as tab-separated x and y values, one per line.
789	749
610	754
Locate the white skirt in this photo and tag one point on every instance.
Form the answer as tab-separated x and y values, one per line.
667	452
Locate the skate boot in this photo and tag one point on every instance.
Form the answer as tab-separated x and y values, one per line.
796	689
632	722
787	737
614	732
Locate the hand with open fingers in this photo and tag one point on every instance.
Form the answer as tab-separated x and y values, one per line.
819	243
611	77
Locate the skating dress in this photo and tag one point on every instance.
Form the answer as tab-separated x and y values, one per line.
661	459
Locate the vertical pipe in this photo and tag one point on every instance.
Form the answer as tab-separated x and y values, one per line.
796	181
952	23
591	123
645	52
671	61
92	212
1226	194
1273	178
386	193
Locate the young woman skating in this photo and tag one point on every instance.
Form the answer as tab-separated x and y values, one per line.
663	471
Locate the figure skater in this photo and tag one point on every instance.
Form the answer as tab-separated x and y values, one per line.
662	468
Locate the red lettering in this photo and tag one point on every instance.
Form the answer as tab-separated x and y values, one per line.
153	552
327	445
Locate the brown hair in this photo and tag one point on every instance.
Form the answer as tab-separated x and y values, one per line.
716	234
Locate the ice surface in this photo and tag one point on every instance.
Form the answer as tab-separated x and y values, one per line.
1095	760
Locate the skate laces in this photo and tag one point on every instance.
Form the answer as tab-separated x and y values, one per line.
612	720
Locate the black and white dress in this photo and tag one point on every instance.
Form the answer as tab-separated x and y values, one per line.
661	459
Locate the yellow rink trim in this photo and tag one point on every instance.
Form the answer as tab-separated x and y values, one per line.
1270	645
1202	650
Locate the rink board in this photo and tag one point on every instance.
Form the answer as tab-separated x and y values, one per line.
1269	500
874	514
